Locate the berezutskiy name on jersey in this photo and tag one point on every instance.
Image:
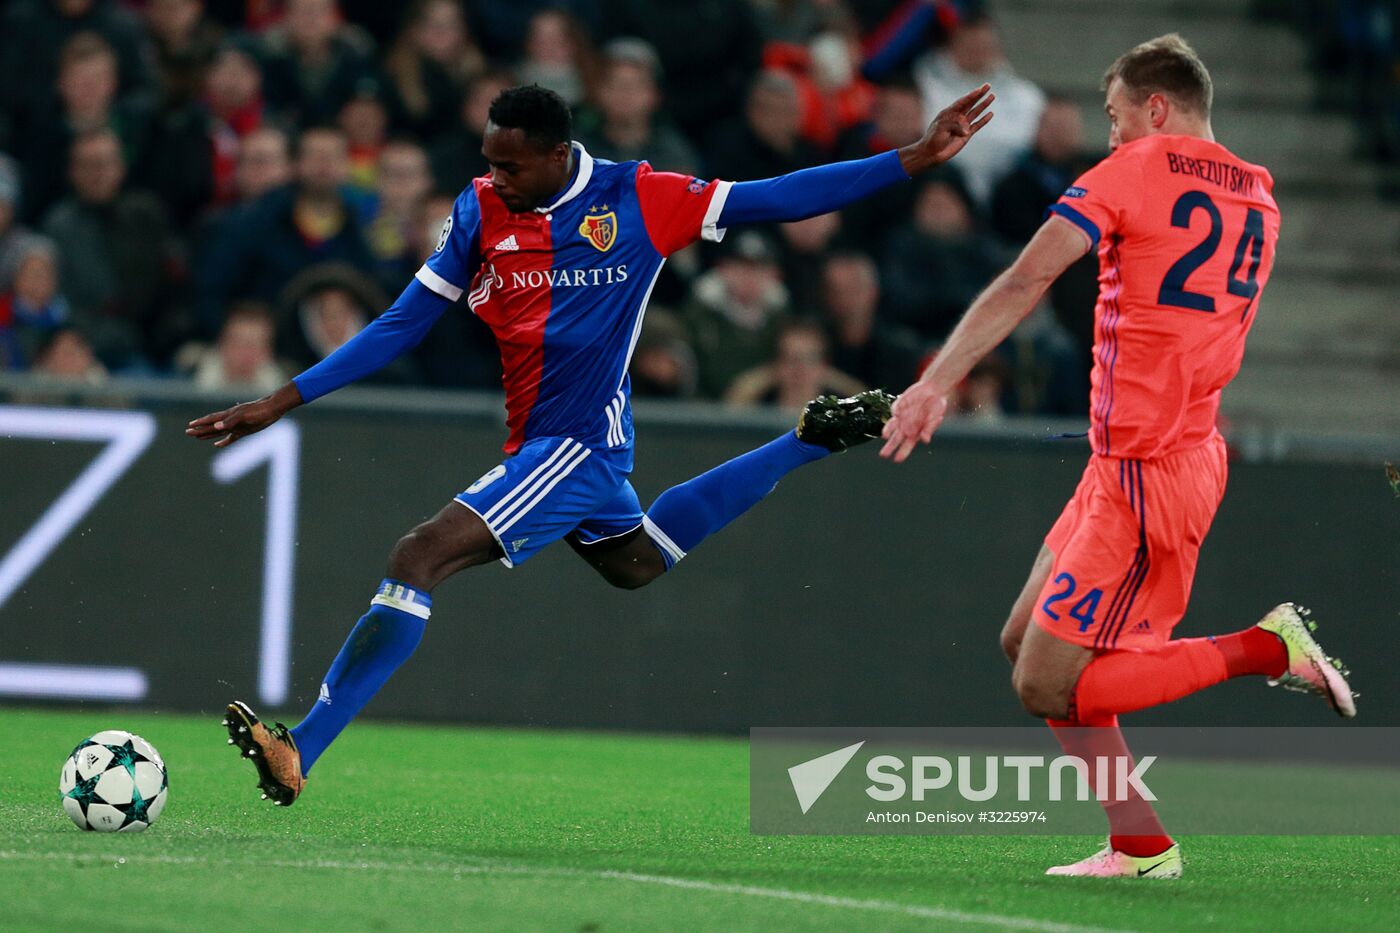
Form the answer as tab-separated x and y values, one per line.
564	287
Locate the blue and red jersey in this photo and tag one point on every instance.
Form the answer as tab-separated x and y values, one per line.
564	287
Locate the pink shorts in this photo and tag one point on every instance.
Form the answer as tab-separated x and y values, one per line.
1126	548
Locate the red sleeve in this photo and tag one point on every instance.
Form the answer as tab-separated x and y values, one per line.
1105	198
679	209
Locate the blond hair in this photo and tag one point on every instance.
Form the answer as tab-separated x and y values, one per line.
1165	65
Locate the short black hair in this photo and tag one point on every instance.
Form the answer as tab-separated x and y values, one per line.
536	111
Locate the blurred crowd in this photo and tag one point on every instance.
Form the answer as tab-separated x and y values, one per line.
227	190
1356	51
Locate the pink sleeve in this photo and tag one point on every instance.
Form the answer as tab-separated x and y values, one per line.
679	209
1104	198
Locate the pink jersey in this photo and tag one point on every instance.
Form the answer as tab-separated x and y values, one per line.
1185	233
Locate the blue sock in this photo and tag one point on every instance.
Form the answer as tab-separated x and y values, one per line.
684	515
381	641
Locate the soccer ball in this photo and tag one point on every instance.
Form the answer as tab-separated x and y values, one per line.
114	781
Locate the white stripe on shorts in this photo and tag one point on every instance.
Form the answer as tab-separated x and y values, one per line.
552	479
506	500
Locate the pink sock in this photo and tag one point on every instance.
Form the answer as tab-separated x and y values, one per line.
1132	823
1125	681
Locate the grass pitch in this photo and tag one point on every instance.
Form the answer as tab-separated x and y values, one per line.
410	828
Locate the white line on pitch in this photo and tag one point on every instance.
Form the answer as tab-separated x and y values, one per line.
486	867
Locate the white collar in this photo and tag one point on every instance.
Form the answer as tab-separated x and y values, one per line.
581	178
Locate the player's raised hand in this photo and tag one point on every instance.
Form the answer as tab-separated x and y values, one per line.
949	131
915	416
246	418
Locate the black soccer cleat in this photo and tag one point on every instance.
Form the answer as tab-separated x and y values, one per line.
272	750
839	423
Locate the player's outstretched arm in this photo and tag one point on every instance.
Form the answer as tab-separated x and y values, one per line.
825	188
993	316
387	337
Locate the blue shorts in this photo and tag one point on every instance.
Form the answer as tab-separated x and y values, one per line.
553	486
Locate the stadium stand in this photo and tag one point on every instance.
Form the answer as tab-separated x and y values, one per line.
189	98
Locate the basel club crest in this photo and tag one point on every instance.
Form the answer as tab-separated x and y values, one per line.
599	229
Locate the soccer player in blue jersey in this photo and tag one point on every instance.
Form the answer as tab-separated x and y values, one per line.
557	252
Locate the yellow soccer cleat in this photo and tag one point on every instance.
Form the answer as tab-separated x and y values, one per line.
1108	862
1310	669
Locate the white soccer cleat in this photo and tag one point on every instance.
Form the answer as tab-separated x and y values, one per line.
1310	669
1108	862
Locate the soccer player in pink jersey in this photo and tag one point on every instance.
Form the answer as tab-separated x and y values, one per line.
1185	233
